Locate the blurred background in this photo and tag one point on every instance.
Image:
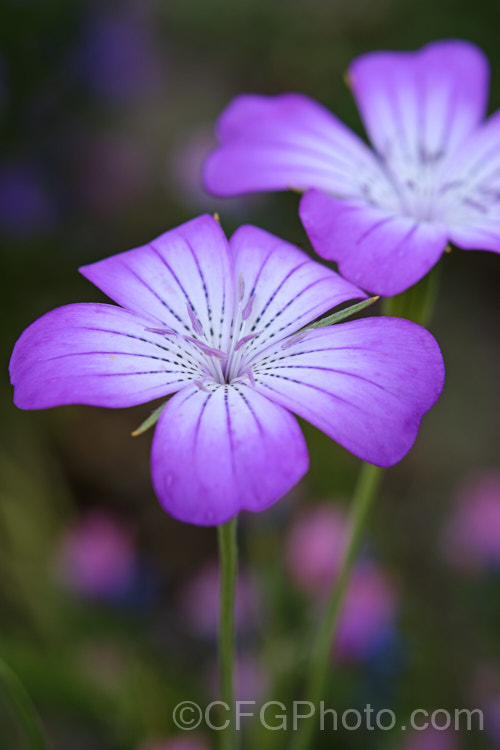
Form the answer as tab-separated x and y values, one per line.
108	607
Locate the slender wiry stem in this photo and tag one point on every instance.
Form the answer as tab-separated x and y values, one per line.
23	708
416	304
364	494
228	553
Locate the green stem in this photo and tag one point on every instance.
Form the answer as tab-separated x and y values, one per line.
319	666
23	707
228	552
418	302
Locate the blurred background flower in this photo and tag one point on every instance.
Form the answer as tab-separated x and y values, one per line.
433	739
472	539
315	547
368	615
97	557
199	602
26	207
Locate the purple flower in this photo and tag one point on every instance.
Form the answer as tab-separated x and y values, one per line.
97	557
472	538
315	548
183	174
26	208
215	323
315	551
251	678
432	739
200	602
120	55
385	215
368	613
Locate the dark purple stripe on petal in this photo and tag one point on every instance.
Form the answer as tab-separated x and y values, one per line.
155	294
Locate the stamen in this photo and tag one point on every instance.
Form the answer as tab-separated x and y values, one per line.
207	349
194	321
162	331
251	378
475	204
244	340
294	339
241	286
201	386
248	307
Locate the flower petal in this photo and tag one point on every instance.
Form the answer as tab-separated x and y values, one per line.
94	354
220	452
186	268
366	383
287	288
381	252
471	193
422	103
282	142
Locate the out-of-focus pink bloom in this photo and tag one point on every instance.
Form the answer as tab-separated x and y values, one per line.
184	167
368	612
251	679
491	711
120	54
315	548
184	164
200	602
472	537
97	557
314	554
26	209
177	743
432	739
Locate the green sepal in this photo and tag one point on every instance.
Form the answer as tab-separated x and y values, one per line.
150	421
330	320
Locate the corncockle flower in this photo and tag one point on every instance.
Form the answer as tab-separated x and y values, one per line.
214	323
97	557
385	215
251	678
368	613
199	602
26	208
315	548
183	173
432	738
472	535
315	551
120	56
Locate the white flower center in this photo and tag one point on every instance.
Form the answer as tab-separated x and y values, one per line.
423	186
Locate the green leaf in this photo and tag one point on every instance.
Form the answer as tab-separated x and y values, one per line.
150	421
23	707
330	320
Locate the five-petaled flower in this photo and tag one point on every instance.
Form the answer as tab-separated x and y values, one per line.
385	215
215	323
